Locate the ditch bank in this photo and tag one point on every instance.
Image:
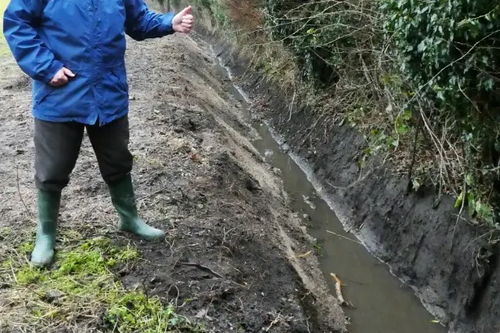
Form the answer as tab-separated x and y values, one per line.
235	258
450	264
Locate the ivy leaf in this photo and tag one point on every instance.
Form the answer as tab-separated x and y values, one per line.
471	204
403	129
469	180
458	202
421	46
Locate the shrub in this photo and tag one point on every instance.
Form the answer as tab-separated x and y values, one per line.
449	51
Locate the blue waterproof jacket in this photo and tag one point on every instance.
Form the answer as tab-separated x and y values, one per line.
87	37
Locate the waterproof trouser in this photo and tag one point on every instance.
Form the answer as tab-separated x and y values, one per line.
57	146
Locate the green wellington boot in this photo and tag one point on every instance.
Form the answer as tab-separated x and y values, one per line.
48	212
123	198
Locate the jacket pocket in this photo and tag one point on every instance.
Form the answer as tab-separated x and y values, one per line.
42	91
120	77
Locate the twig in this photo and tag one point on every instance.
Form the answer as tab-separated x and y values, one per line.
115	327
291	105
152	194
304	254
178	188
360	179
344	237
274	322
177	294
413	156
163	189
462	206
19	192
308	328
13	273
464	197
203	268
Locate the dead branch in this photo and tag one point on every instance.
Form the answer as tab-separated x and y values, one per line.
344	237
338	290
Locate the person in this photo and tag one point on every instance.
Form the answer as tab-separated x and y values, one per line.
74	52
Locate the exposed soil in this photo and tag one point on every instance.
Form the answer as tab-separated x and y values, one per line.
451	264
233	247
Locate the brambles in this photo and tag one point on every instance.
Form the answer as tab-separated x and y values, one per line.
418	79
449	52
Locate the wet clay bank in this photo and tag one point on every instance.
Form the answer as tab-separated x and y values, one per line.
233	258
450	264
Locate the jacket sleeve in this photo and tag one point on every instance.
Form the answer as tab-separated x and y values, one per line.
142	23
29	51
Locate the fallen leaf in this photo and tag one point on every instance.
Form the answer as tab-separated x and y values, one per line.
195	158
201	314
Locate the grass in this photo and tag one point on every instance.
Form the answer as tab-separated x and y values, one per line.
81	292
4	48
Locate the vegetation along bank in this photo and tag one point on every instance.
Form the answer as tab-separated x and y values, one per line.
393	104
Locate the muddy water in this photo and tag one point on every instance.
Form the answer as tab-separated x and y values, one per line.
382	304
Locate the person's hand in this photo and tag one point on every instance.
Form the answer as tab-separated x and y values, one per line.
62	77
183	21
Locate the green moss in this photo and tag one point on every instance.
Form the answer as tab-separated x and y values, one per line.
27	247
134	312
29	275
82	285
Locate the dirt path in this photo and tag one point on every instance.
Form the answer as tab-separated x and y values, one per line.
232	259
